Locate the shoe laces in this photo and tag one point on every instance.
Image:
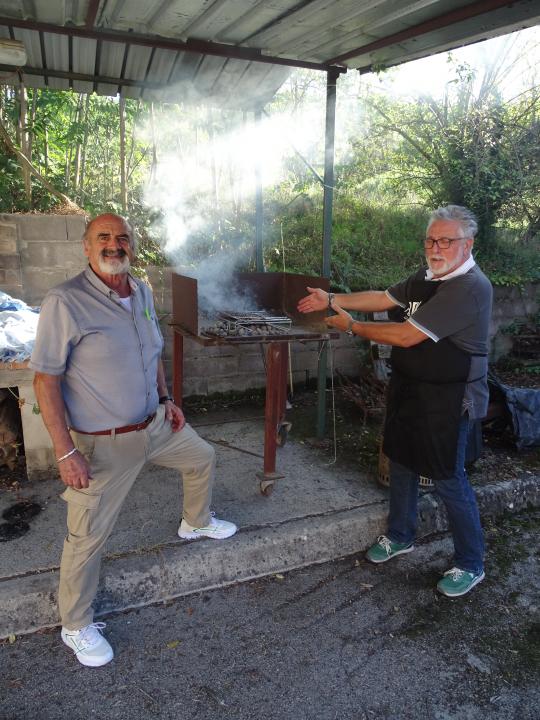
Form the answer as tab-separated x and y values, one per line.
385	543
456	573
89	635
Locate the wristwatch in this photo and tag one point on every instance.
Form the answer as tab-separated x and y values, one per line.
164	398
349	327
331	297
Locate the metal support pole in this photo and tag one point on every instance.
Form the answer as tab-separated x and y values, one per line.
259	256
331	83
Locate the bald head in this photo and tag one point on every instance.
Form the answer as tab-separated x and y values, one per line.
109	218
109	245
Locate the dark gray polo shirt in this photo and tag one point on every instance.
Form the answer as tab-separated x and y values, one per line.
460	311
108	355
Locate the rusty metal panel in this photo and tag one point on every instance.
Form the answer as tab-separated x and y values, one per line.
295	288
185	307
265	288
278	293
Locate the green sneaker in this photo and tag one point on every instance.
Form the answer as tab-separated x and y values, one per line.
456	582
385	549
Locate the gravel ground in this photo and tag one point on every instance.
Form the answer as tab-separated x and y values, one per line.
339	641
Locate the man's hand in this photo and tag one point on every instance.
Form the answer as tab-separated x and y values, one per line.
316	300
75	471
175	416
341	321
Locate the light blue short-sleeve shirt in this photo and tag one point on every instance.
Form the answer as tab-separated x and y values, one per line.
107	354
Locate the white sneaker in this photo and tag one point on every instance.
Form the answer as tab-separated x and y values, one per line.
89	645
217	529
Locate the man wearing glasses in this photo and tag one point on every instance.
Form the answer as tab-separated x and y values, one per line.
439	333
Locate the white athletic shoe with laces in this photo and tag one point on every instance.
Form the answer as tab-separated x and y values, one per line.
216	529
89	645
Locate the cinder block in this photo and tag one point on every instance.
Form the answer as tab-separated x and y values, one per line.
8	246
10	262
195	386
15	290
213	366
192	349
37	282
251	364
235	383
52	255
75	225
12	277
8	237
33	228
306	360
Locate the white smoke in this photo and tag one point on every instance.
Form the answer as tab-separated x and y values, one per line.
198	173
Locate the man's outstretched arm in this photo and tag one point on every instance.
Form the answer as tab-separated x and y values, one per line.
366	301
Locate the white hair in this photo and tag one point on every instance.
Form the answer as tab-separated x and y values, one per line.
456	213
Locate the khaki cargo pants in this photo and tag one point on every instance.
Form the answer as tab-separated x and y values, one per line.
115	463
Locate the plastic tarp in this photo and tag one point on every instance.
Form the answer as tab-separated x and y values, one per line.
18	326
523	404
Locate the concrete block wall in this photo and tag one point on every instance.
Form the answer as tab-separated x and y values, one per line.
509	305
38	252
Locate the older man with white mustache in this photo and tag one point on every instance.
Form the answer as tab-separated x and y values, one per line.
103	395
439	335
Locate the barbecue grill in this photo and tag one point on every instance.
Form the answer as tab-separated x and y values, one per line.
273	321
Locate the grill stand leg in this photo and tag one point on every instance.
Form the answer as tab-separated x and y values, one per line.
274	412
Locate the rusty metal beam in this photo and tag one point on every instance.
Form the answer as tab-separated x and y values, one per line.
441	21
191	45
91	13
65	75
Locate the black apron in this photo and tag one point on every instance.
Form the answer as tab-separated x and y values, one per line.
425	396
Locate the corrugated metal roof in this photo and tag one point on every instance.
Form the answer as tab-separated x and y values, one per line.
234	52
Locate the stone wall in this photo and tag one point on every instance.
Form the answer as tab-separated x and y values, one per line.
38	252
509	305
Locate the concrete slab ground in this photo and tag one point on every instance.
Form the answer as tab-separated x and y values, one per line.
320	511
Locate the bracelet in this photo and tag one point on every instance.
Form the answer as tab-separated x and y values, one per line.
331	297
349	330
164	399
59	460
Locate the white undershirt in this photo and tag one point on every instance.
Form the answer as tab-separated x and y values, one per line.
126	302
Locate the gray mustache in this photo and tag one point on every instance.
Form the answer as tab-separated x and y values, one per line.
114	253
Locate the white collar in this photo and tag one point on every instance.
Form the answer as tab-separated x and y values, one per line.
461	270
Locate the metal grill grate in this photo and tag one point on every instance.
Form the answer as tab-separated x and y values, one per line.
252	323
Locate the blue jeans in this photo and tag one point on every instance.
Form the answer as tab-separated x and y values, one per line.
460	502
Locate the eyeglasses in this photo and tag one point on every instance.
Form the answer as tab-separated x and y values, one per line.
442	243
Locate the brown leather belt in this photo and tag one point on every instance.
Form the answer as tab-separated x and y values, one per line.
118	431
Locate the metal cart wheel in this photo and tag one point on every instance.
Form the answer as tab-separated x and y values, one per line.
266	487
